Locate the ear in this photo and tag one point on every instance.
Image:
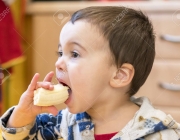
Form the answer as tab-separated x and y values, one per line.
123	76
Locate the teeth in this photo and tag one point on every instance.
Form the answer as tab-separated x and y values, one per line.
43	97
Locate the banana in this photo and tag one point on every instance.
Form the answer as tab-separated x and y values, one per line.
43	97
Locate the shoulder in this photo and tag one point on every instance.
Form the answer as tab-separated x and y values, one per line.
168	134
147	110
153	122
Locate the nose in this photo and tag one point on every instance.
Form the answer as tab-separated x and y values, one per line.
61	64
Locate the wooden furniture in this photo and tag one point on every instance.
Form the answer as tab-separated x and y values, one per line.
163	84
45	20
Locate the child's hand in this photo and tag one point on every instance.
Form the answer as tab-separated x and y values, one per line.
25	112
26	102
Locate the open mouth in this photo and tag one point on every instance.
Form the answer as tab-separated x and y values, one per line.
69	90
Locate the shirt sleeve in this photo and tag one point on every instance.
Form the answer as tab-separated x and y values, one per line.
46	126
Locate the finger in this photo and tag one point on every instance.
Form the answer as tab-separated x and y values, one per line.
49	77
45	85
34	81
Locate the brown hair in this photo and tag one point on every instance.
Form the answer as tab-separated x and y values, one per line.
130	35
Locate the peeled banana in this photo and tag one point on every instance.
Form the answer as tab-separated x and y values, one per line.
43	97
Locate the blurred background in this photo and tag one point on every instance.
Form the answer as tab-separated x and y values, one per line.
29	37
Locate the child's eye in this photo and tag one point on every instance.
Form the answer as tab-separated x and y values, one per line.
60	53
75	54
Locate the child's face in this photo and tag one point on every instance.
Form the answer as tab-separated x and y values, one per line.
84	65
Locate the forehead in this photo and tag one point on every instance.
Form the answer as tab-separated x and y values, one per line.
85	34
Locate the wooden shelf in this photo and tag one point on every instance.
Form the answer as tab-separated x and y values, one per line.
70	6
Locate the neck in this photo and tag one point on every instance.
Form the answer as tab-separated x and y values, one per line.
107	110
107	113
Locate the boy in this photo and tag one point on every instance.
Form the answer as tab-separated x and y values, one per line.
105	56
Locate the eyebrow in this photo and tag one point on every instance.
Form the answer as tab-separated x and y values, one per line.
74	43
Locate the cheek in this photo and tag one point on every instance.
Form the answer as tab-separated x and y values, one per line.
82	90
78	76
87	81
